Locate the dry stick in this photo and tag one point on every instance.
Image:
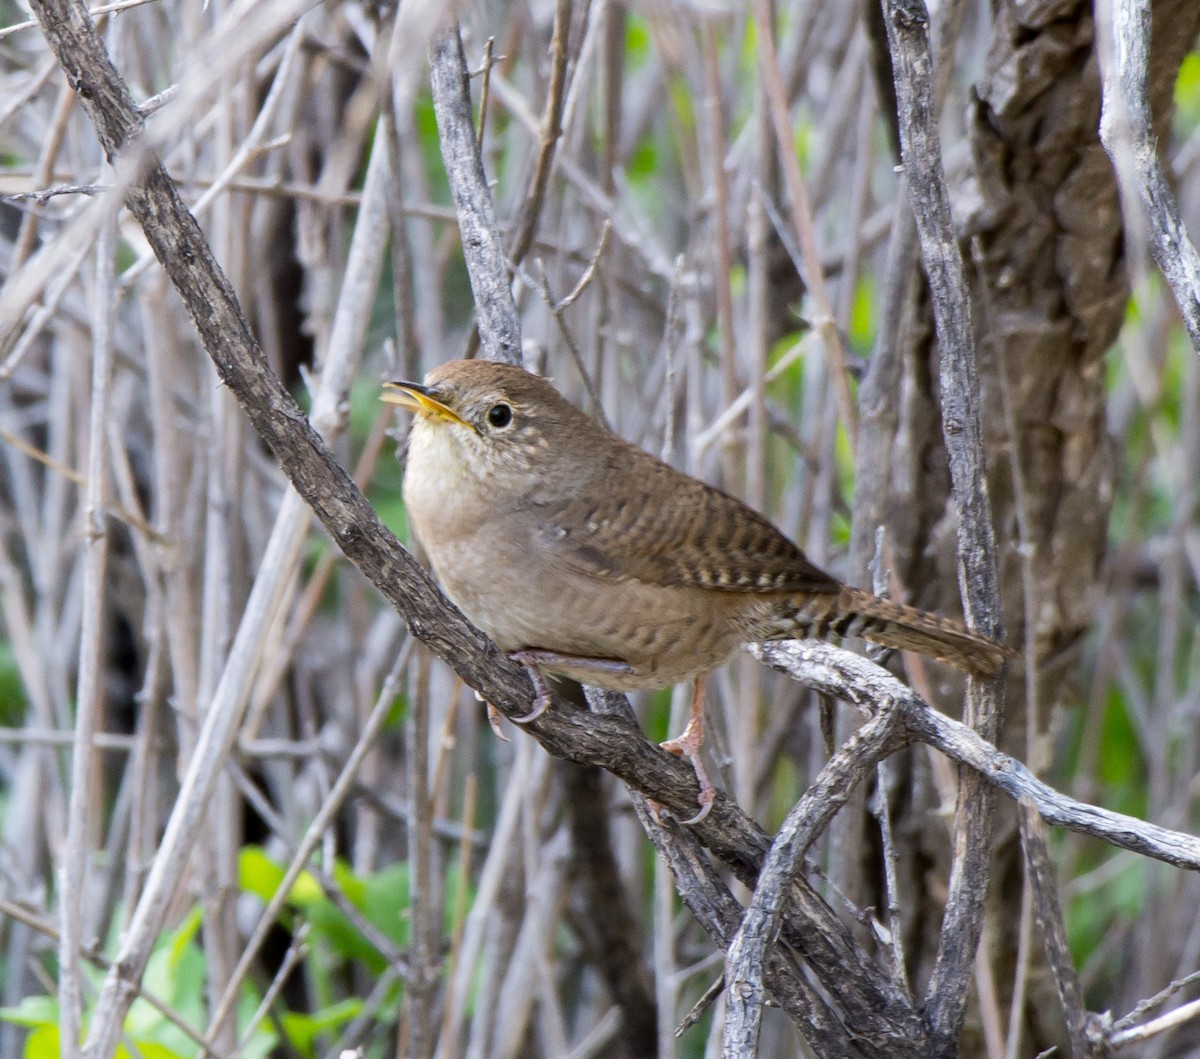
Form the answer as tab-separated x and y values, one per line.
558	310
369	1019
1036	738
1144	1007
90	695
745	961
709	899
491	880
707	999
1163	1024
296	952
52	269
118	511
99	9
802	220
305	610
20	914
549	133
1085	1031
252	143
27	234
652	256
238	35
175	237
499	326
907	27
718	149
548	137
459	908
990	1023
424	966
316	831
1126	111
614	942
142	837
856	680
542	909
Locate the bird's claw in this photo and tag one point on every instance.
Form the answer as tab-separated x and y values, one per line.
541	704
688	746
541	693
493	719
706	797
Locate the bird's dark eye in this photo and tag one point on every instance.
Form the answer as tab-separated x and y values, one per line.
499	415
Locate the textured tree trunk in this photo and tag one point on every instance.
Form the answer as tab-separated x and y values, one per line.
1038	211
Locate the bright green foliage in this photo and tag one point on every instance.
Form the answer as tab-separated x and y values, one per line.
643	162
1187	95
32	1011
802	143
381	898
862	315
1090	916
175	975
637	41
12	693
304	1030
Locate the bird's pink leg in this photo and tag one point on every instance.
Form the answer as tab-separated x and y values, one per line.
688	745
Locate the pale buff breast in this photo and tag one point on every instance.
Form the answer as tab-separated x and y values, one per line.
665	634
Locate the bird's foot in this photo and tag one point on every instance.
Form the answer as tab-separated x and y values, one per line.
533	658
494	717
688	746
541	691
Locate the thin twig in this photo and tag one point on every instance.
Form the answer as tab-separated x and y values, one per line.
907	28
499	327
854	679
746	959
1127	131
91	687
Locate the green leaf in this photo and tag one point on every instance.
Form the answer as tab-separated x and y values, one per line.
302	1030
257	873
637	41
13	703
150	1050
32	1011
1187	95
43	1043
386	900
862	315
261	876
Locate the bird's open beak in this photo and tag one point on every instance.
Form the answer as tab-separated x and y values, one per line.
420	399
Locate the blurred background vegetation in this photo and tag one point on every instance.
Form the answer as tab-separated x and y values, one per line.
698	333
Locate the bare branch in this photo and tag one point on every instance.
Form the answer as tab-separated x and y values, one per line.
856	680
1127	131
907	28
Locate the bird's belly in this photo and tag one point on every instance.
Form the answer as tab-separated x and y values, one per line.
664	634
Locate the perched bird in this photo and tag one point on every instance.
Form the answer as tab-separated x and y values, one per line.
582	555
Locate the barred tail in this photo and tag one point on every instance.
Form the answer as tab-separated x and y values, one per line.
857	613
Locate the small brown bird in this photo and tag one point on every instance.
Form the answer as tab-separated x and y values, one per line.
579	553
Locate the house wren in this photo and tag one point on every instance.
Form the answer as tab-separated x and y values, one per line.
579	553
